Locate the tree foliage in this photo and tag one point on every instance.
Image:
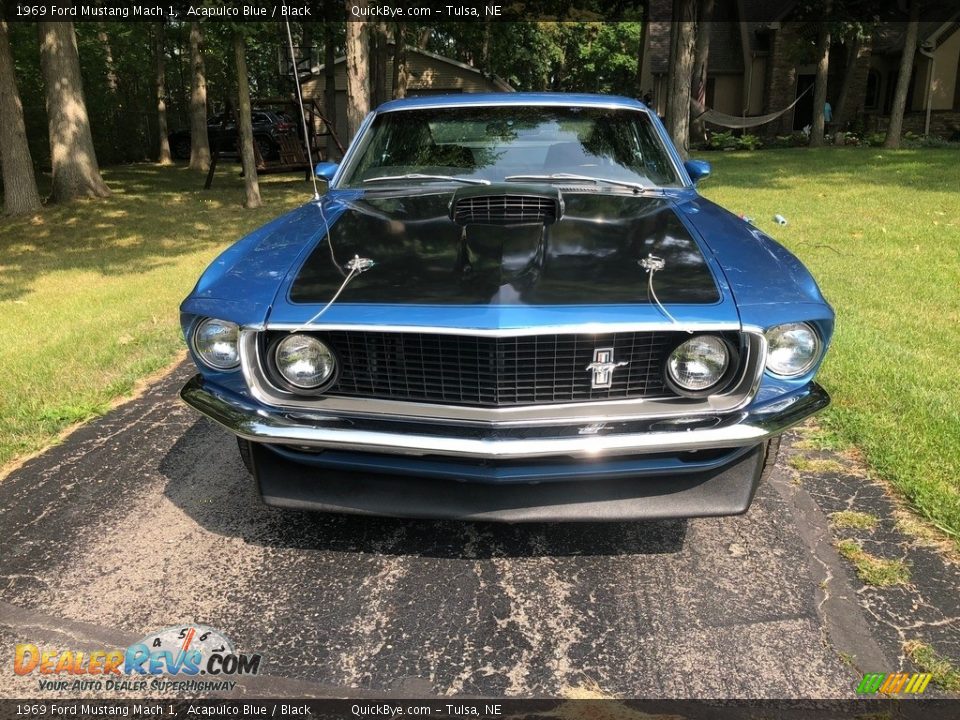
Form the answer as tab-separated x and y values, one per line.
558	56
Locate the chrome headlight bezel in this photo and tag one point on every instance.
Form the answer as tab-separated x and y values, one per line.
773	335
232	362
284	382
718	382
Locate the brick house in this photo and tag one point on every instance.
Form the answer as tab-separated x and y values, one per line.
761	61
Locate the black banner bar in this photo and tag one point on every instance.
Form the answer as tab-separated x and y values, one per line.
442	11
492	709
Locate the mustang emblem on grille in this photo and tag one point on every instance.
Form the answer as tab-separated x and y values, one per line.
602	367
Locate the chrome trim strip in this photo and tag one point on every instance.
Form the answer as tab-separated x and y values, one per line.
352	150
249	421
573	329
538	102
531	415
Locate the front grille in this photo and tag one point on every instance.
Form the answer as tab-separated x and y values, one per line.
505	210
495	372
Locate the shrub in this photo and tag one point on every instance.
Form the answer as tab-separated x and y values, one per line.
726	140
723	141
912	140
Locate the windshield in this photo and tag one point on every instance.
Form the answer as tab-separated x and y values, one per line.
497	143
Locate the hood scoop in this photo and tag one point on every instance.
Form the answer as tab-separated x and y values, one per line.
516	205
424	256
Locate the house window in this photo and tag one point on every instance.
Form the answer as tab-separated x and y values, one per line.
871	98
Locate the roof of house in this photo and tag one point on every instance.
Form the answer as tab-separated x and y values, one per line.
892	36
498	82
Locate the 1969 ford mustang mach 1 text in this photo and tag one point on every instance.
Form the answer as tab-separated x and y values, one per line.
508	307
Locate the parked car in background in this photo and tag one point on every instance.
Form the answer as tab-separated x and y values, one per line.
268	126
509	307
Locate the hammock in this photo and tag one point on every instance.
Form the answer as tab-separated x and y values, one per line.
716	117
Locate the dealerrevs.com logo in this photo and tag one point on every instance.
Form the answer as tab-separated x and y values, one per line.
183	653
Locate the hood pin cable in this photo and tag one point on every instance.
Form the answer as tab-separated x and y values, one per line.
356	266
651	263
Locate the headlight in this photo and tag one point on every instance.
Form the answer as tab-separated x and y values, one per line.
215	342
304	361
698	363
792	349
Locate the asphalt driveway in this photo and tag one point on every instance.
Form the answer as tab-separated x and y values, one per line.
145	519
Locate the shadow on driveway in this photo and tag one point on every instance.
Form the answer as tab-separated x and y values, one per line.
208	482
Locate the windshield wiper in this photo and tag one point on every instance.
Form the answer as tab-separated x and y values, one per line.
577	178
420	176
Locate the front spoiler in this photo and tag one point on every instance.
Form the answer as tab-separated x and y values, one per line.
278	426
728	491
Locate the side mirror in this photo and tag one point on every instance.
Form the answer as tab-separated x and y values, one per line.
326	170
697	169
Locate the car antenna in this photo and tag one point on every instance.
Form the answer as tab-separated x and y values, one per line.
303	115
652	263
357	265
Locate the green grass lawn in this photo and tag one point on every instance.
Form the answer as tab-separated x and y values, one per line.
89	294
881	232
89	291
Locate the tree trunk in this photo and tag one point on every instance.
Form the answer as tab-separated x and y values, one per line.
423	38
111	66
181	106
401	72
903	79
159	50
20	194
671	69
245	121
330	82
306	47
486	65
358	80
843	99
644	26
116	128
701	59
378	63
820	84
199	141
72	157
678	93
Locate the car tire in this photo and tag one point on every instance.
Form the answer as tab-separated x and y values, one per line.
771	453
246	453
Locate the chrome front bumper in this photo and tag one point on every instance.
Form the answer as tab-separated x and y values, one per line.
305	429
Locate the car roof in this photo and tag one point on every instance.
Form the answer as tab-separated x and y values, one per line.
545	99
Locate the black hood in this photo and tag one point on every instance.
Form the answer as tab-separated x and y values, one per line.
590	255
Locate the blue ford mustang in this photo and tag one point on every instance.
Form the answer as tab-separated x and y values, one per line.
508	307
